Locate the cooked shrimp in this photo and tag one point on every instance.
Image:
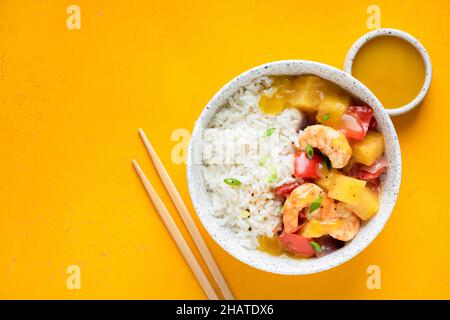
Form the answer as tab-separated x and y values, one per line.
350	226
329	141
326	212
337	221
300	198
348	229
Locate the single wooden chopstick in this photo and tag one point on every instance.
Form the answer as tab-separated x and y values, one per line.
176	234
187	219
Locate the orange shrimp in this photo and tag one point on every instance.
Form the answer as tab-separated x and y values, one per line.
329	141
301	197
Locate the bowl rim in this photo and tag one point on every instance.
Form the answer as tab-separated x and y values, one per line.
351	249
390	32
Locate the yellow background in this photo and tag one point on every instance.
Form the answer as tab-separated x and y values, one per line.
71	102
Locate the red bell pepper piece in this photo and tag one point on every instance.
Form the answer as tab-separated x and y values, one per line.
364	113
356	121
297	244
351	126
285	190
305	167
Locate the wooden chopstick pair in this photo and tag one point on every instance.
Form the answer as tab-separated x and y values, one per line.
188	221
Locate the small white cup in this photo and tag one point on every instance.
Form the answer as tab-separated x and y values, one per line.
413	41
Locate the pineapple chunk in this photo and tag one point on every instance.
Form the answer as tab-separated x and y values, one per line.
346	189
326	177
331	109
305	95
368	205
274	101
370	149
272	105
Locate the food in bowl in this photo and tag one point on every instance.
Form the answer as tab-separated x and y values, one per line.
292	165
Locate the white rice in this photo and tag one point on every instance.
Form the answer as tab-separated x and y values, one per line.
235	147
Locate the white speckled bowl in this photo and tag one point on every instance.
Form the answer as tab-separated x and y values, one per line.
286	265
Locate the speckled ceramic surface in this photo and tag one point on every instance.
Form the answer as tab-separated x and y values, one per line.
348	63
285	265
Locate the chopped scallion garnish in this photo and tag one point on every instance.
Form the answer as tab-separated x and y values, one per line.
315	205
316	246
273	174
309	151
232	181
269	132
263	160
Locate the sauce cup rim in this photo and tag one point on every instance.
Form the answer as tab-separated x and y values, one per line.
390	32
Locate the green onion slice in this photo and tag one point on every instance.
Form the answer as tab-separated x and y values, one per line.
263	160
232	181
315	205
326	116
273	174
269	132
316	246
309	152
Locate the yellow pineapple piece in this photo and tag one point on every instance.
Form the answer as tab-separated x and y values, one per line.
275	100
272	105
331	109
326	177
368	205
370	149
305	95
346	189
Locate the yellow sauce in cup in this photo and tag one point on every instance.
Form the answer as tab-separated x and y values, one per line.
391	68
